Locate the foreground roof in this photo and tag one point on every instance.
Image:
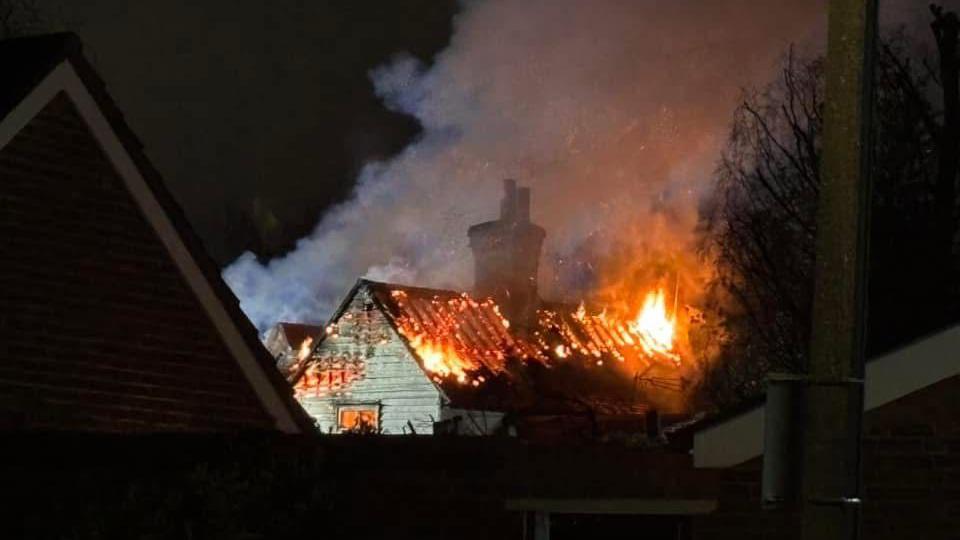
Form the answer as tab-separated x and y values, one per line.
67	154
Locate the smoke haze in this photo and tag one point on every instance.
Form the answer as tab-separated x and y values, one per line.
614	112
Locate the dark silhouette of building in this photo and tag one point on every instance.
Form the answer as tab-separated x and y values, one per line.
112	317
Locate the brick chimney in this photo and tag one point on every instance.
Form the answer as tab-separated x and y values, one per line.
506	255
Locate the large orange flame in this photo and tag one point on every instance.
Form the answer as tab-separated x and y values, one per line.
457	338
304	351
654	328
441	358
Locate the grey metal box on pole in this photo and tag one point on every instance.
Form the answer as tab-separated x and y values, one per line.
782	440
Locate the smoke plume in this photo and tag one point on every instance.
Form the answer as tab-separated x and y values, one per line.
614	112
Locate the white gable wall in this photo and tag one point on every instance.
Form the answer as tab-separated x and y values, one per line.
391	377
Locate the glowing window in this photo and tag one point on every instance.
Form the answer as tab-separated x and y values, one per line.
358	418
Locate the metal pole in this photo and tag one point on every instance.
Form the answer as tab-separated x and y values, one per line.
834	403
536	525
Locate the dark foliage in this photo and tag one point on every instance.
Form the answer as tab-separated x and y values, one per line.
759	225
162	487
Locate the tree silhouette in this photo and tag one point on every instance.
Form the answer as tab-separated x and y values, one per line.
759	224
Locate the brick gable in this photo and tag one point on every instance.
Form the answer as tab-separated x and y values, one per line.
98	328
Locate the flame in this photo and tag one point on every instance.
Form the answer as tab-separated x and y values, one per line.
581	313
655	329
304	351
649	333
441	359
330	375
456	338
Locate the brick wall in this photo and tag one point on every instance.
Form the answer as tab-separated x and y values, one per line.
911	474
911	467
98	329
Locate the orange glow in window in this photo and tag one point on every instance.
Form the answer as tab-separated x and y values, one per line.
354	419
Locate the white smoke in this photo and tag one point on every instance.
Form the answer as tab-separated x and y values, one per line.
612	111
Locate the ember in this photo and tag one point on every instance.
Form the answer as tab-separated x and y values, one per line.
330	376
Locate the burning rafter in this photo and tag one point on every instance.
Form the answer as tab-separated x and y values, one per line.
466	340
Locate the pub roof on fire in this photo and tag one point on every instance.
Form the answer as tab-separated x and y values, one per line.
402	359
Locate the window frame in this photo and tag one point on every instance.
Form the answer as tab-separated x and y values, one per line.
373	406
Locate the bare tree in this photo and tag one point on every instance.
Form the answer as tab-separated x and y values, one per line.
759	224
759	228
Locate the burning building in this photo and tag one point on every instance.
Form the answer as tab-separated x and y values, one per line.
401	359
290	343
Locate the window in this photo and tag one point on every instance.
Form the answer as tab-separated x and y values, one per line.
358	418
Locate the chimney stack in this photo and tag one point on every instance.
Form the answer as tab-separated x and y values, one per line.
523	205
506	255
508	206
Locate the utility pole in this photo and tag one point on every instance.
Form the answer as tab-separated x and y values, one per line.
833	406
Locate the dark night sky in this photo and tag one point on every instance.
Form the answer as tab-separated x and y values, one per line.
265	101
264	108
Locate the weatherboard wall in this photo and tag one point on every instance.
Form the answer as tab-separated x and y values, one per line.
389	376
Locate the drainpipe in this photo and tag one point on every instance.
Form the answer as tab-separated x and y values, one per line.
833	405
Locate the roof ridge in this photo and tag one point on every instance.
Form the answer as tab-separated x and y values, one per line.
403	287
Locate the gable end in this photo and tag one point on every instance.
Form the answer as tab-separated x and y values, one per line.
64	84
